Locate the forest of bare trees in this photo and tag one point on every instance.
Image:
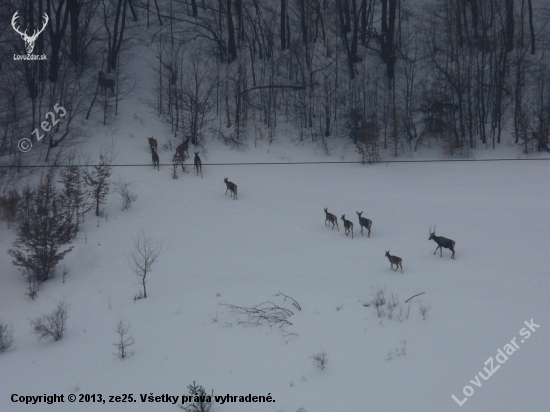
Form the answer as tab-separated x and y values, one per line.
388	74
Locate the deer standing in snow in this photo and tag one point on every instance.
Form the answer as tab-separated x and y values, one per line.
198	163
330	218
347	225
231	187
155	158
394	260
442	242
364	222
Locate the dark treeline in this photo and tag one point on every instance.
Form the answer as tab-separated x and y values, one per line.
385	73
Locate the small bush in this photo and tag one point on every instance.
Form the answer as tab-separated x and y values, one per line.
53	325
125	340
402	351
128	197
424	309
320	360
6	337
204	404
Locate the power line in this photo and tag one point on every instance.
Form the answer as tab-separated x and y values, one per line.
284	163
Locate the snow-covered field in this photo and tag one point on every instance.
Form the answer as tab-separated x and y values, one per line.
273	239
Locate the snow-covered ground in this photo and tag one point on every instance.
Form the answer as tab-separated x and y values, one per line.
273	239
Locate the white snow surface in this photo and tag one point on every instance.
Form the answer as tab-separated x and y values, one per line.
273	239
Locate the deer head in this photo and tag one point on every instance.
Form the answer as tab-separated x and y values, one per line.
29	40
431	233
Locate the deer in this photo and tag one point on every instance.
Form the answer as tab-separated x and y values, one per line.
29	40
394	260
155	158
198	163
330	218
232	187
347	225
106	83
442	242
364	222
152	142
184	147
179	156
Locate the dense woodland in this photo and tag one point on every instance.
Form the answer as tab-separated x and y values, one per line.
386	73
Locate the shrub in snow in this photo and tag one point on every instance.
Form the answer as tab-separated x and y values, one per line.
201	404
125	340
53	325
424	309
6	337
128	197
320	360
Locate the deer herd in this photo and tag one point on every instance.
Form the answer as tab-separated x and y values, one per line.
442	242
182	154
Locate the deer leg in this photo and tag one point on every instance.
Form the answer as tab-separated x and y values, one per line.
440	251
436	249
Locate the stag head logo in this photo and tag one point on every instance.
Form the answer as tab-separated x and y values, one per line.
29	40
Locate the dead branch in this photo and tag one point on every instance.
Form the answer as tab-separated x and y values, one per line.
296	304
414	296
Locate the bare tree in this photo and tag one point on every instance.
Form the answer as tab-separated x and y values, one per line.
98	180
141	259
125	340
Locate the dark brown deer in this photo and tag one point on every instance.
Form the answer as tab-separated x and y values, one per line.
179	156
198	163
106	83
152	142
347	225
184	147
442	242
155	158
364	222
330	218
231	187
394	260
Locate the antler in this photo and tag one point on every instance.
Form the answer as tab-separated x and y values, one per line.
36	33
13	20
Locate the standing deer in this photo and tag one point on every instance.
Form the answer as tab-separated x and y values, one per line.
394	260
364	222
29	40
231	187
198	163
152	142
155	157
442	242
106	83
184	147
330	218
347	225
179	156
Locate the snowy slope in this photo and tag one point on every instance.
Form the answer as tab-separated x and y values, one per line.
273	239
